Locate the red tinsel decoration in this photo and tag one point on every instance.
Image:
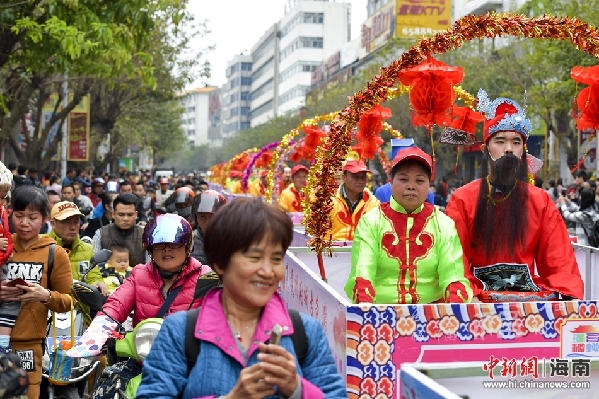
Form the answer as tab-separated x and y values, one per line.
432	95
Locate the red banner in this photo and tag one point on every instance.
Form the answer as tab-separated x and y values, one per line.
78	136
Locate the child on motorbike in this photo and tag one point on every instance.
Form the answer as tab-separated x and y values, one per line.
171	275
117	268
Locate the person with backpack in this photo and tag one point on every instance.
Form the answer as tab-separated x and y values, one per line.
245	242
157	288
585	216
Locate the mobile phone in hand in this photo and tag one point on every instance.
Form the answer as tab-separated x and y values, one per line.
275	336
15	282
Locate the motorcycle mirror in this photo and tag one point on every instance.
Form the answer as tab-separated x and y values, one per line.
101	257
88	295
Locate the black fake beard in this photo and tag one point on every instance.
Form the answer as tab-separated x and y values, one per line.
505	172
500	227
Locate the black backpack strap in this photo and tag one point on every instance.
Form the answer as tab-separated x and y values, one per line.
51	251
170	298
192	344
299	338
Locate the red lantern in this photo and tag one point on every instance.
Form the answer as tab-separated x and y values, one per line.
587	100
431	94
370	126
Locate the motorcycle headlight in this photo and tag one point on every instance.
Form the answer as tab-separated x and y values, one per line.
144	338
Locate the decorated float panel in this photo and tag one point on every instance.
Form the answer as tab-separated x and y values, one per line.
371	342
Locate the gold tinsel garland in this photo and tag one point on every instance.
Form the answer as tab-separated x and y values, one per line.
285	141
329	156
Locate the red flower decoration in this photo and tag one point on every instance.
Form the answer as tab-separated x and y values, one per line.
587	100
313	137
264	160
240	163
431	95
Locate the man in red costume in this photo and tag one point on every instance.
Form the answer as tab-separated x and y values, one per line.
513	236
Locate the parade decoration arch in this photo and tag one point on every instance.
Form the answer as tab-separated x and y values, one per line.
226	167
285	142
329	157
260	159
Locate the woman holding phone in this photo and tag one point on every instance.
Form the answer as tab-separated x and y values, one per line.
245	243
44	289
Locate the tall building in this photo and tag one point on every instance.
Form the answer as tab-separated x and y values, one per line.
235	95
195	116
265	69
480	7
288	52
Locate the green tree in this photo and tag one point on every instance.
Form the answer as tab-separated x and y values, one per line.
44	39
135	113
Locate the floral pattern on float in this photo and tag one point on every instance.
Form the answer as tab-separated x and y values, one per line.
384	337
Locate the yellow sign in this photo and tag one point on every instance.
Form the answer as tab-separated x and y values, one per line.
77	128
417	18
377	30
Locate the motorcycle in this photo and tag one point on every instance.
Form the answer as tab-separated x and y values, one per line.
132	345
82	368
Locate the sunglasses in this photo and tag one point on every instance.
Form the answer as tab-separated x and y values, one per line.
162	246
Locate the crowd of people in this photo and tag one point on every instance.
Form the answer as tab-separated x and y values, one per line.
411	243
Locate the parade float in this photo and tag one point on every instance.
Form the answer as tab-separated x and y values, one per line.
393	351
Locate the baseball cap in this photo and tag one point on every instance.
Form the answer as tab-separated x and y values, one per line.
63	210
98	181
415	154
298	168
164	180
354	166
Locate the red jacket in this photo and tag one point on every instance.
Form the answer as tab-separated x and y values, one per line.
5	233
141	292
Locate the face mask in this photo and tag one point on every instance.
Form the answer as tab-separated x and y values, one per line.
184	212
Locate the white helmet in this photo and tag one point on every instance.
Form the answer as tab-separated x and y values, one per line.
5	177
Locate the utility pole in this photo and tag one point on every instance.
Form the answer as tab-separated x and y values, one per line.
65	128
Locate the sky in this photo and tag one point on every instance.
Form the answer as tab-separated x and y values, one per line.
236	25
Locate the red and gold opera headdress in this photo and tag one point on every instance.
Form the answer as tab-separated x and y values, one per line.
502	115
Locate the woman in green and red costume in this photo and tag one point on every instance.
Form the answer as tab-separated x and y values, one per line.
406	251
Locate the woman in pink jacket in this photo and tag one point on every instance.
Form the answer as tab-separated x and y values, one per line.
171	276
